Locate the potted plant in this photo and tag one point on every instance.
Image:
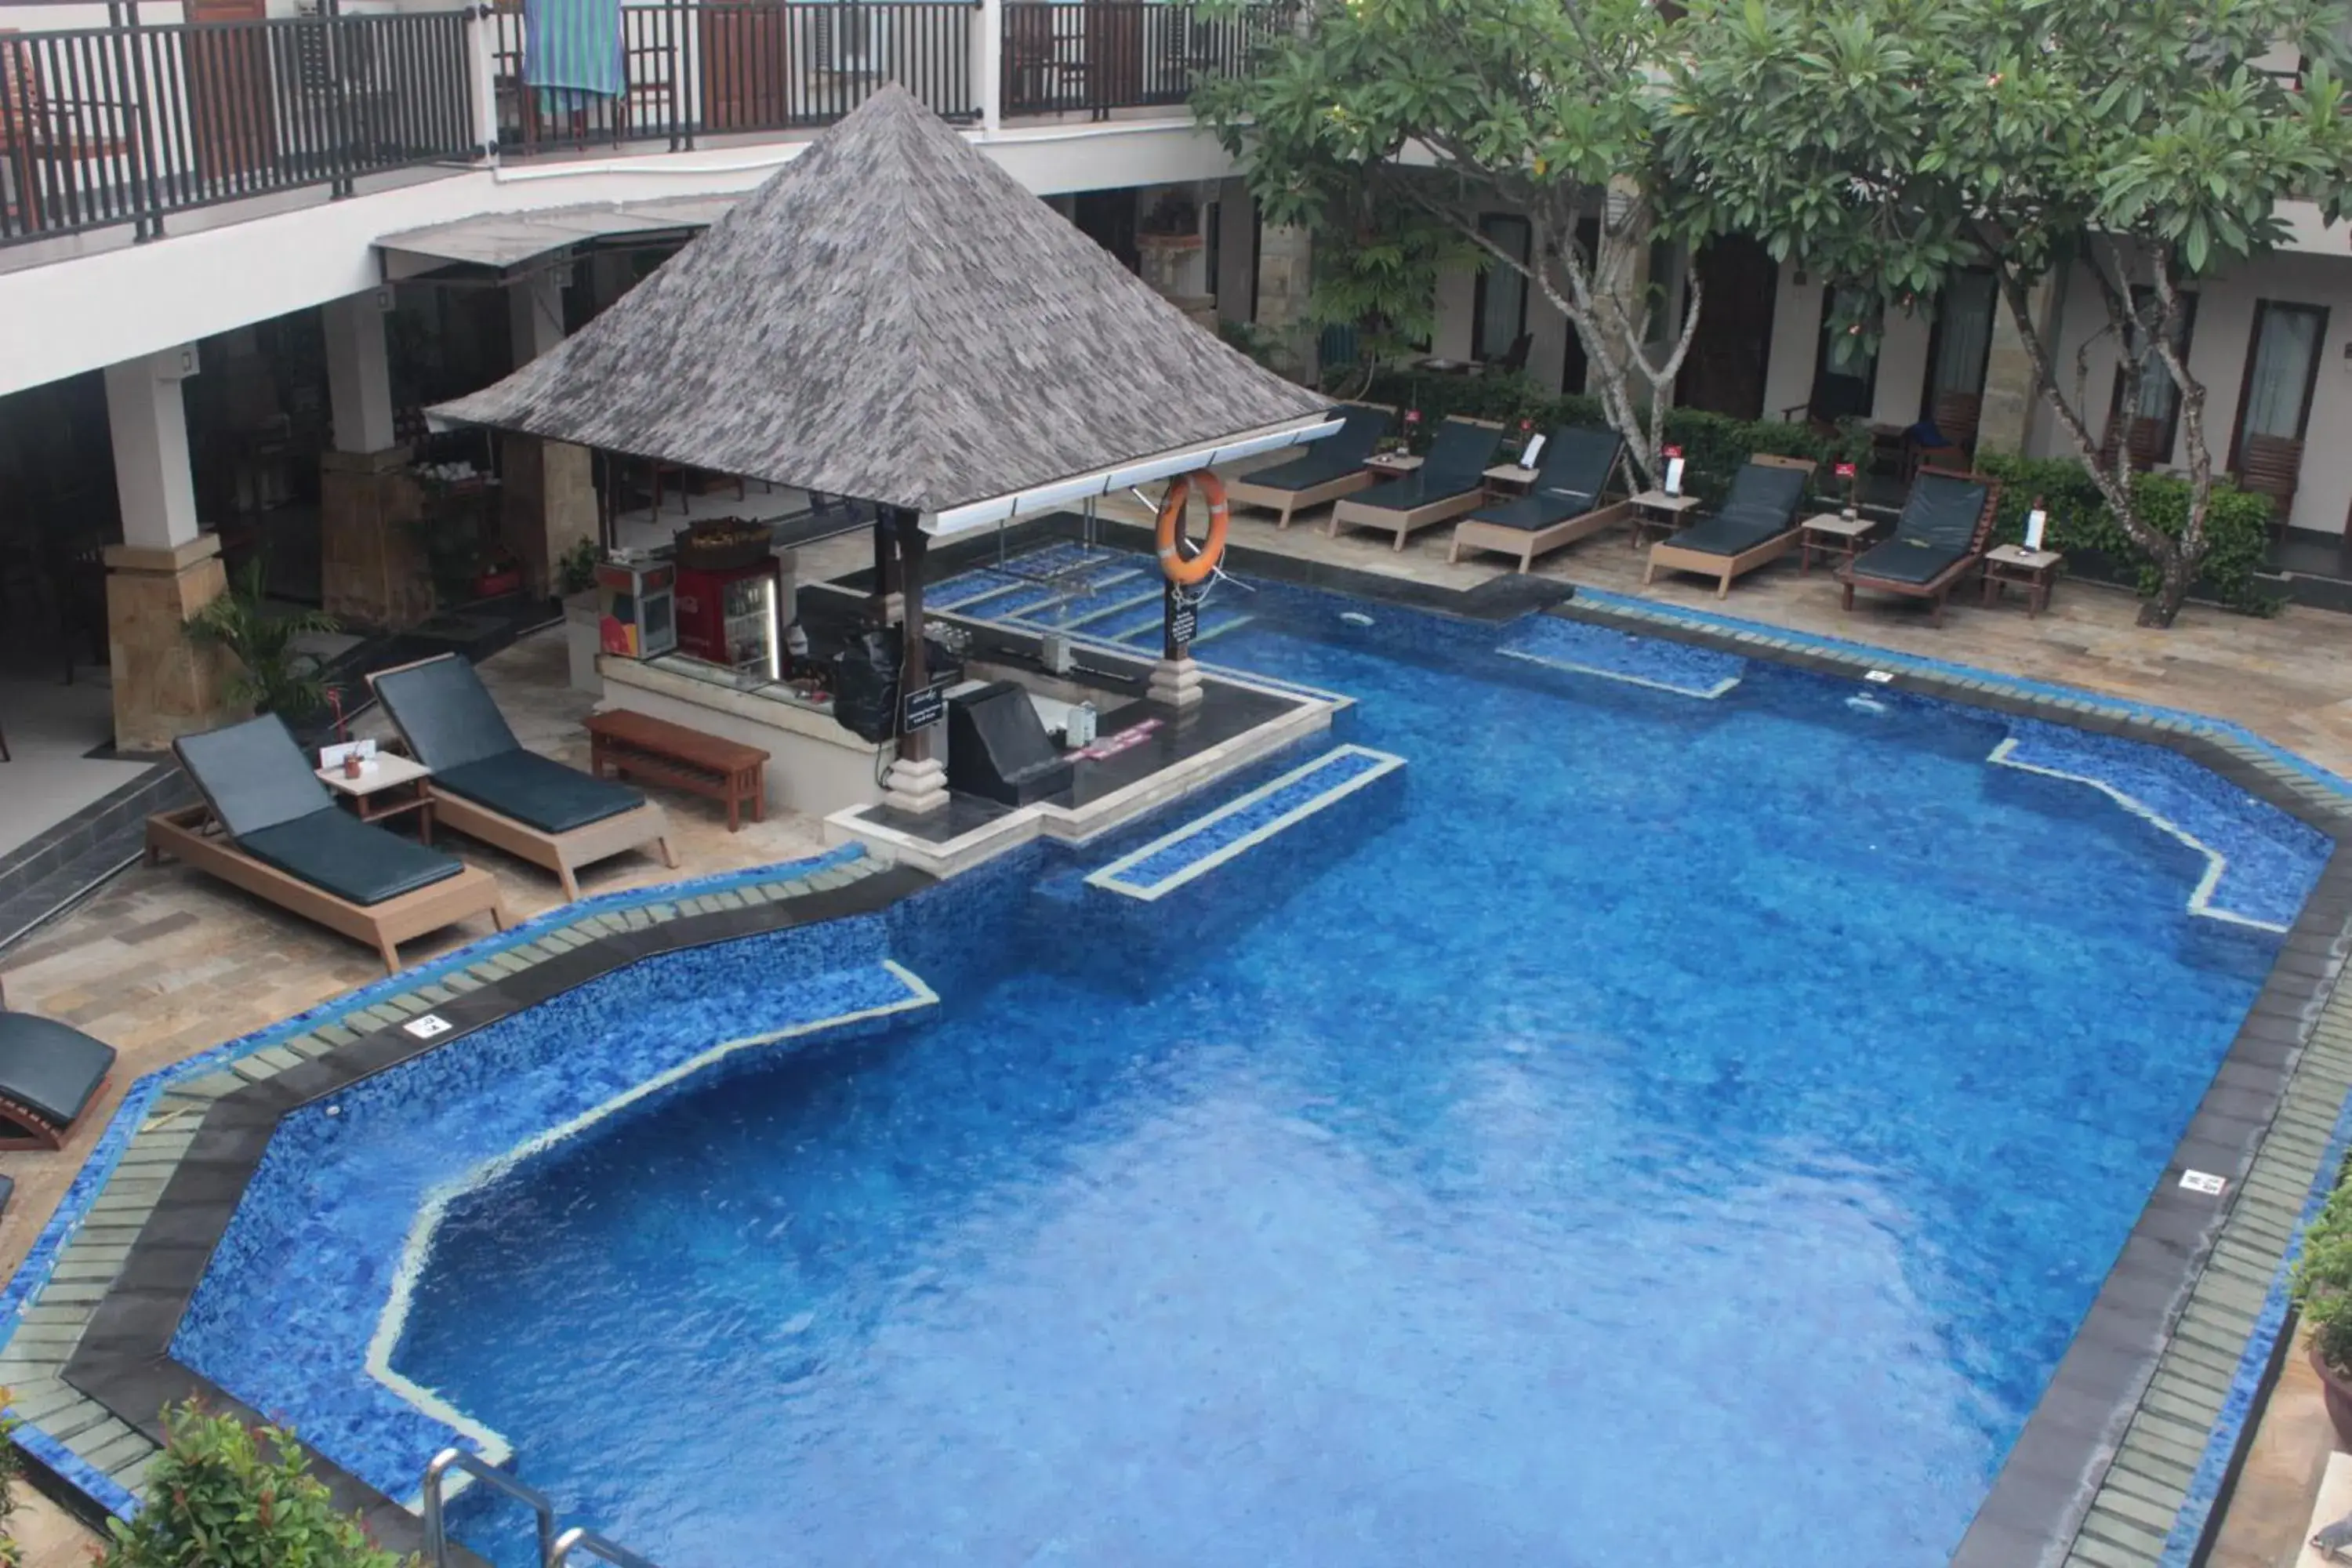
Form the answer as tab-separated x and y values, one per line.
272	675
2323	1293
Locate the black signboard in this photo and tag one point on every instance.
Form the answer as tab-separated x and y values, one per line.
925	707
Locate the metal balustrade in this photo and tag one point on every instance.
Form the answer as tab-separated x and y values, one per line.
136	121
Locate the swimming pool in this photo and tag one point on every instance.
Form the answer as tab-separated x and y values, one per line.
1692	1102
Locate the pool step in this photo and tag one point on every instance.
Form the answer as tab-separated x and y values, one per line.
1141	626
1245	823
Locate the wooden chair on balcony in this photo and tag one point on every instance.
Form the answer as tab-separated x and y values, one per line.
45	146
2272	465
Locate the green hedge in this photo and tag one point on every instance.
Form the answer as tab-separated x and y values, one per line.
2237	526
1713	446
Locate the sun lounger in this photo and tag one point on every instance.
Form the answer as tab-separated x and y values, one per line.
49	1074
1755	523
269	826
1328	468
1562	506
1939	539
1448	483
486	785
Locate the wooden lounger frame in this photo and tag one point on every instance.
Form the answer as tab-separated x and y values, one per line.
472	891
1288	503
561	853
1729	569
1404	524
1938	588
22	1127
1527	544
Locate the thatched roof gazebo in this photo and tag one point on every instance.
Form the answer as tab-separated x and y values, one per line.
895	318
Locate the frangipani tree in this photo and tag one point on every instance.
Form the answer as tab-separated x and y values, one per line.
1883	142
1383	120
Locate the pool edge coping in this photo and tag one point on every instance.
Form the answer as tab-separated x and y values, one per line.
2184	1336
191	1172
2112	1494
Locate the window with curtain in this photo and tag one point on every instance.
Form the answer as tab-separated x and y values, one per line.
1498	309
1963	334
2284	357
2159	400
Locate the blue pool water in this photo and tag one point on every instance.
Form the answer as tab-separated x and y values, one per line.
1665	1129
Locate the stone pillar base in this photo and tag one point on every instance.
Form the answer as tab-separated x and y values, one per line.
372	571
165	683
1176	682
916	788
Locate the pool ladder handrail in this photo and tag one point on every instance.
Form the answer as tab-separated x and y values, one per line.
554	1551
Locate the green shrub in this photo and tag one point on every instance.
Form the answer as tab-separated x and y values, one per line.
2237	526
11	1554
2323	1281
223	1495
1714	446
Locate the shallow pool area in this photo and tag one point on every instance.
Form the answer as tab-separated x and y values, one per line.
1687	1093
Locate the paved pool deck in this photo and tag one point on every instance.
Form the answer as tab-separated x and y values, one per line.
165	963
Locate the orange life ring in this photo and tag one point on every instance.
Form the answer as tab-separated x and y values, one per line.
1172	563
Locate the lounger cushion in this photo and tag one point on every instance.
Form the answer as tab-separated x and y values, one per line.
1416	490
446	715
1578	461
538	792
1530	512
1937	531
1335	456
50	1068
252	774
1458	458
356	861
1763	505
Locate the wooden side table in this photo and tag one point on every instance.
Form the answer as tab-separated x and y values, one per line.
394	785
1508	481
2035	571
1829	534
1655	510
1393	464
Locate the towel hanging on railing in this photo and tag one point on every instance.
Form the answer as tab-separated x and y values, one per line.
572	52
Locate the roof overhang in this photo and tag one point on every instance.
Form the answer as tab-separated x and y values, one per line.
505	240
1060	493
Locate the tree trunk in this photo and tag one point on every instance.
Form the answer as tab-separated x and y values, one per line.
2172	591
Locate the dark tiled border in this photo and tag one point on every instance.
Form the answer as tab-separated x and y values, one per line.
2107	1470
122	1362
2119	1456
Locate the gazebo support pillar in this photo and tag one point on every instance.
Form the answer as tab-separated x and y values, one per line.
917	782
888	608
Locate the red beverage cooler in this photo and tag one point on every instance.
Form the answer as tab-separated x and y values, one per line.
731	617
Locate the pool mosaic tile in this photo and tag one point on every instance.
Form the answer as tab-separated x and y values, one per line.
1617	656
1200	845
2258	857
300	1311
177	1095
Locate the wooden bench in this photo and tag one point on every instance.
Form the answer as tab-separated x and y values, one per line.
622	742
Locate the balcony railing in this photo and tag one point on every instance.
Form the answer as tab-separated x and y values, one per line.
695	70
131	123
125	124
1097	56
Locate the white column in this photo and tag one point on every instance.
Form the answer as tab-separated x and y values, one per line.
992	66
359	372
147	420
535	312
482	69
